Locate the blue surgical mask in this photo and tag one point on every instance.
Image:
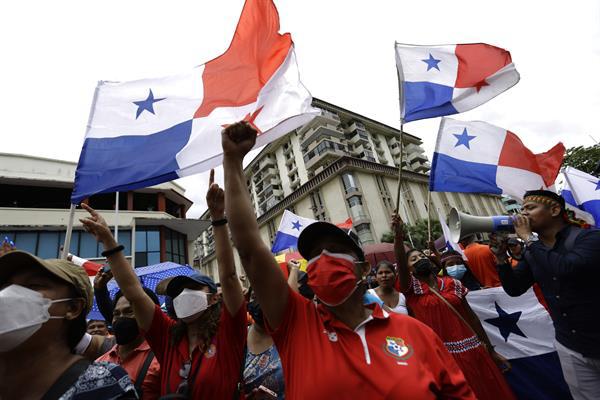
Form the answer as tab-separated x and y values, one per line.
456	271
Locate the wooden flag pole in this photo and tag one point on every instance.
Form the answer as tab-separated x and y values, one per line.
429	216
67	243
117	217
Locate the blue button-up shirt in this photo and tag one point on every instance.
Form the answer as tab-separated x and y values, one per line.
569	281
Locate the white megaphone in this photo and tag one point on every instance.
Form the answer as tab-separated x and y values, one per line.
462	224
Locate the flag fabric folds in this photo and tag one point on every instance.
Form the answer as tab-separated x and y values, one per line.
450	79
582	191
149	131
476	157
448	238
290	227
521	330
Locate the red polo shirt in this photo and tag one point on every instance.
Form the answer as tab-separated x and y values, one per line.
219	368
132	365
387	356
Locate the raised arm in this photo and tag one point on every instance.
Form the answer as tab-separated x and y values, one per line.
262	270
230	284
400	252
293	269
143	306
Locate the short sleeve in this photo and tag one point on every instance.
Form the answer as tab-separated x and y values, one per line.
158	335
451	381
233	330
295	311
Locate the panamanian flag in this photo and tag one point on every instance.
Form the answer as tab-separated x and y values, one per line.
146	132
521	330
477	157
450	79
289	230
582	191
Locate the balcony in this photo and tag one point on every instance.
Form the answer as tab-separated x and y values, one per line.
325	150
319	132
292	171
422	168
416	159
395	151
324	118
289	161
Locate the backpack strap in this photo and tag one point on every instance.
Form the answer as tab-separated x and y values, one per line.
139	380
66	380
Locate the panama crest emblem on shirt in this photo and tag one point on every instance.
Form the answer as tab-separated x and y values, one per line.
397	348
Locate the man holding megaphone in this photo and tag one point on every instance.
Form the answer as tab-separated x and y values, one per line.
564	259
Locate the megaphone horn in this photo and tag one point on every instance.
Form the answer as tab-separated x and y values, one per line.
462	224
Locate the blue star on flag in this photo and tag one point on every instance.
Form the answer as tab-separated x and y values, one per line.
296	225
432	62
464	138
597	185
147	105
506	323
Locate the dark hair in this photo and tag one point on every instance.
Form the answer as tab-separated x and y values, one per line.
147	290
208	320
410	251
385	263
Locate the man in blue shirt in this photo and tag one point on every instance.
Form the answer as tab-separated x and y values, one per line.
564	260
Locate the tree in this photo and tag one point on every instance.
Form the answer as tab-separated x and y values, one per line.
416	232
585	159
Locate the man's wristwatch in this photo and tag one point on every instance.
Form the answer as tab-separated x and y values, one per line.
530	239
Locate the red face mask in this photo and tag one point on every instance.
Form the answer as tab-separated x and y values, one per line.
331	276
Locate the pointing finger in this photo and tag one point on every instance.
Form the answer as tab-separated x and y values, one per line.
211	178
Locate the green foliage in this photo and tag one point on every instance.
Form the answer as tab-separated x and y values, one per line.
416	232
583	158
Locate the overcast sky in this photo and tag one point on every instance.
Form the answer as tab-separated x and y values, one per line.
53	53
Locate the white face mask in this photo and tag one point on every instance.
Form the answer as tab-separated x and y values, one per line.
456	271
23	312
190	302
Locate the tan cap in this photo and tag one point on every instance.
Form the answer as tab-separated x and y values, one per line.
62	269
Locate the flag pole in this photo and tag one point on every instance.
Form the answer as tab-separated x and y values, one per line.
67	243
117	217
401	103
429	215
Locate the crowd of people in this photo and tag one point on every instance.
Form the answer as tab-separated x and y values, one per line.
317	335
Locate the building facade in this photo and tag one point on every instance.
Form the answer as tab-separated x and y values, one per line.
343	165
34	210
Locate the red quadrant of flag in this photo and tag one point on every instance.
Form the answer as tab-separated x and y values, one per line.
478	61
236	77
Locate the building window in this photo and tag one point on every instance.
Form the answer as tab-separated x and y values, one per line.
364	233
384	194
175	243
349	182
46	244
147	246
318	206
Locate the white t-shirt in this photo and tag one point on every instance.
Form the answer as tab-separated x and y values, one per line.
400	308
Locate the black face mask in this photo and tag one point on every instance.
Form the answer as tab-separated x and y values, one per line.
423	267
256	312
126	330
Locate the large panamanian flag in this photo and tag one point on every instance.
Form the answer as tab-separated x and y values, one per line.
477	157
149	131
521	330
450	79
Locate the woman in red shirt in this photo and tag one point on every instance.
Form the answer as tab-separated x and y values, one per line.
463	336
201	353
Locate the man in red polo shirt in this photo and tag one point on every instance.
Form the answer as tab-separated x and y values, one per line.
338	349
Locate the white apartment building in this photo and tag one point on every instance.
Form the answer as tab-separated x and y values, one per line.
34	212
343	165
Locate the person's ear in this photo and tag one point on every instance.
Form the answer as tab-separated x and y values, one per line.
365	268
212	299
74	308
555	210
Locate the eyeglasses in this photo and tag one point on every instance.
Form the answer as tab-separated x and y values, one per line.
184	372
